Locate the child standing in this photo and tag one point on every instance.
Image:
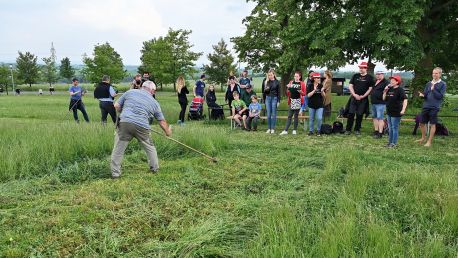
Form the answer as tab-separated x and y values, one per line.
296	89
253	116
238	109
396	104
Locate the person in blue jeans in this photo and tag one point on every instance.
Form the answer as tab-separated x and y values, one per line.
315	94
378	104
271	96
396	104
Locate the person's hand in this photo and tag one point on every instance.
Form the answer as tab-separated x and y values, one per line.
289	85
168	132
240	112
386	89
402	112
278	104
420	94
357	97
300	113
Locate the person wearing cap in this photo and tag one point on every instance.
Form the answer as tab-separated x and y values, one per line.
244	82
378	104
198	89
316	97
76	102
137	82
433	94
360	87
396	104
246	94
136	108
105	93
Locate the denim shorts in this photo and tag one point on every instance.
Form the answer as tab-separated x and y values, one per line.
378	111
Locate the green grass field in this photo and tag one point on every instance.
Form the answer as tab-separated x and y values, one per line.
268	196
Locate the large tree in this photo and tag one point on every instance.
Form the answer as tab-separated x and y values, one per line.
66	70
26	65
5	77
49	70
221	63
407	35
169	57
105	61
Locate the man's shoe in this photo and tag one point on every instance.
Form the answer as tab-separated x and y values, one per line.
284	133
347	132
357	133
294	132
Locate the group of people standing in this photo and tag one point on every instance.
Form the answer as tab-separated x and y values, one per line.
314	95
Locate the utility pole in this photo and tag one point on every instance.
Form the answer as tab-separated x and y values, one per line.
12	77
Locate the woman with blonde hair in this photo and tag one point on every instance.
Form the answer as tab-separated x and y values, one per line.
271	95
327	84
182	90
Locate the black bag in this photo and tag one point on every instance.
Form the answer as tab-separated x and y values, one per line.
326	129
441	130
337	127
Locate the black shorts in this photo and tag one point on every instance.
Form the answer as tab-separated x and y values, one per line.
429	115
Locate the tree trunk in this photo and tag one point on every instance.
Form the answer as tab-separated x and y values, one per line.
422	74
285	78
370	66
174	86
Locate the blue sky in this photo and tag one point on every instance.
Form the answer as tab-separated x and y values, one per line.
75	26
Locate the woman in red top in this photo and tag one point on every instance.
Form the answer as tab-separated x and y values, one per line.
296	91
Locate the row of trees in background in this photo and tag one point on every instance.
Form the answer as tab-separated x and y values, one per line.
296	34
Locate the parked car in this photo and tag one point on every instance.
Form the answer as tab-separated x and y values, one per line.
346	91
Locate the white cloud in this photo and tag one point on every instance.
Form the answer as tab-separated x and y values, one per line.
131	18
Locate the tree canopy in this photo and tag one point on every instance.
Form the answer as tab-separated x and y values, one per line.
169	57
27	67
105	61
221	63
66	70
406	35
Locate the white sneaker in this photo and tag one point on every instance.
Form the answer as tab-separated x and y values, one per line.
284	133
272	131
294	132
268	131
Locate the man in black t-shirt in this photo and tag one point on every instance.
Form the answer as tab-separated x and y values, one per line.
360	87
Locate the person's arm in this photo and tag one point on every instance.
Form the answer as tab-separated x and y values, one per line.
438	92
165	127
118	105
404	106
384	92
194	90
186	91
310	94
278	93
367	93
233	111
112	92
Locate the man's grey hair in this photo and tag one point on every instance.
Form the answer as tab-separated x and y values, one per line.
438	69
149	84
105	78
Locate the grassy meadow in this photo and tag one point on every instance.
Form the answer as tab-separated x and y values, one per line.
268	196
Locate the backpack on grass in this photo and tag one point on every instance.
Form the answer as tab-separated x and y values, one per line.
337	127
326	129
